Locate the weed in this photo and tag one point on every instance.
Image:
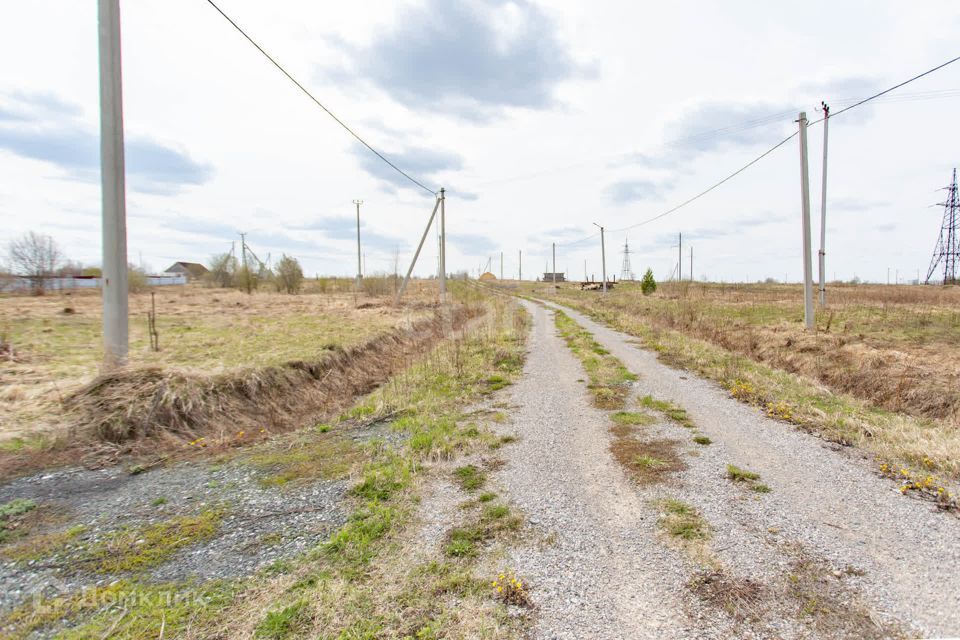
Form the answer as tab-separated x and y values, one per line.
649	462
469	477
669	409
680	520
737	474
512	590
496	512
704	440
156	502
633	418
487	497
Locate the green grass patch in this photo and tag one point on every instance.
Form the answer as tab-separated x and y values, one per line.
632	418
469	477
306	458
284	623
704	440
737	474
682	521
649	462
609	379
674	412
139	548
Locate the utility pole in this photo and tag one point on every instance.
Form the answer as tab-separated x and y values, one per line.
585	276
243	258
443	246
554	263
603	256
823	211
359	265
691	264
520	265
808	317
680	259
113	189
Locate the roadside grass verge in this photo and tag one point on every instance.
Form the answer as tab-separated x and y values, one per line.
897	440
609	379
363	581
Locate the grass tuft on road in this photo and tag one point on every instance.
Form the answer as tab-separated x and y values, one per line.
609	379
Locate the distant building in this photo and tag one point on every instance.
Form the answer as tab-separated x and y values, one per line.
193	270
486	276
548	277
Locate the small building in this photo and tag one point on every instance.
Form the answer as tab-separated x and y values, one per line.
486	276
192	270
548	277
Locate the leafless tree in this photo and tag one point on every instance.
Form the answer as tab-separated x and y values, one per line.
288	275
36	257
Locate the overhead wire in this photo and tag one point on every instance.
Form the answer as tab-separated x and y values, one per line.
320	104
767	153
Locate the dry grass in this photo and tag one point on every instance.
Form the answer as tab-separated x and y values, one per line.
144	410
48	353
679	329
897	347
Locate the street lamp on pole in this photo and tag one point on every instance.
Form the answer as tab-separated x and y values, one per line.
603	256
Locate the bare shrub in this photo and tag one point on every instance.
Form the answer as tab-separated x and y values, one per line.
36	257
378	285
288	276
222	270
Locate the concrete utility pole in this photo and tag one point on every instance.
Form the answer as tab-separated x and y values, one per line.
554	263
443	246
413	263
603	256
359	269
243	259
691	264
808	316
823	211
113	189
680	260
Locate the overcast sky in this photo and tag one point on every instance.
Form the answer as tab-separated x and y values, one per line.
540	118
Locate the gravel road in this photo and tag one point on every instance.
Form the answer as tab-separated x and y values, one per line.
604	575
610	576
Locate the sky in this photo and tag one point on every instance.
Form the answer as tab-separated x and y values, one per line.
540	119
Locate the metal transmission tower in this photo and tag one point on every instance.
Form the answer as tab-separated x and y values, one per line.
948	245
626	273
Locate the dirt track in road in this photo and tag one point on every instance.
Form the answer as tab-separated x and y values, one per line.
832	551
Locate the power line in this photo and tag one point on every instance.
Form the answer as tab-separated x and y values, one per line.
712	187
320	104
886	91
771	150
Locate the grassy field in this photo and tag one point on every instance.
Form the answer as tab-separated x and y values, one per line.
56	339
882	371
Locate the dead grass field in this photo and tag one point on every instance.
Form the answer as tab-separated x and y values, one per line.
56	339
